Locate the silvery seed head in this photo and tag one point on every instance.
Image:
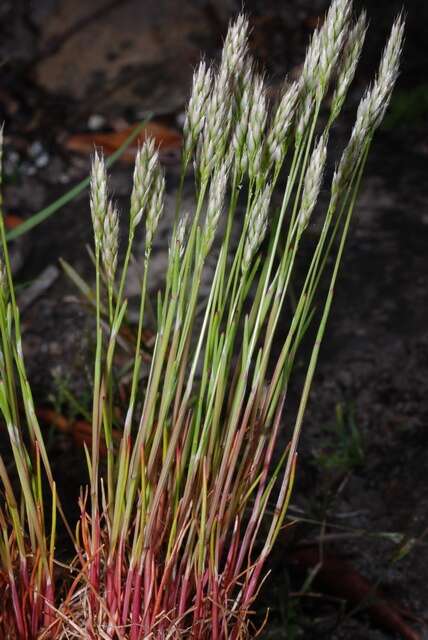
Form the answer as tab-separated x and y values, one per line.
217	123
241	86
247	139
155	206
235	47
321	56
256	126
371	109
367	114
215	204
312	181
257	226
281	124
176	248
195	114
350	58
376	99
221	103
146	163
256	164
110	242
347	165
305	112
309	79
241	127
388	69
332	37
98	197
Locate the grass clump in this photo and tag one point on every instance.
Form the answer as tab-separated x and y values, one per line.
176	524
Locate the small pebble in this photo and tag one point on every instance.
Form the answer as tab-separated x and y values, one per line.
96	122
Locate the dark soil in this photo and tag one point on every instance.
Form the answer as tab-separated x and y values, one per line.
67	61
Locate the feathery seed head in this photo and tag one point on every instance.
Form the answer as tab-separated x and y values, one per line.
374	103
348	163
257	226
217	123
305	112
250	126
367	113
235	70
389	67
350	58
110	242
222	101
235	46
321	56
215	203
243	108
176	248
371	109
146	163
241	90
280	127
255	164
98	198
256	126
246	79
202	80
332	37
309	77
312	181
155	206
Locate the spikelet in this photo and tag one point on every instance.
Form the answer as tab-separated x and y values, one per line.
281	124
146	162
256	127
155	207
332	37
312	182
371	109
350	58
221	102
257	226
235	47
388	71
242	117
215	205
321	57
110	242
176	248
195	114
212	141
98	198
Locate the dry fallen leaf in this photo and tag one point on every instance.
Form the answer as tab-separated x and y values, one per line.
167	139
80	430
11	221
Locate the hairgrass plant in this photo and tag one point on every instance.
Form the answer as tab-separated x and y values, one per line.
178	520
